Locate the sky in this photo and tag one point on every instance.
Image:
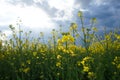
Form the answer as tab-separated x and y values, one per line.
45	15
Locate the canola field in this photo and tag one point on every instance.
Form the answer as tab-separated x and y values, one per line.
79	54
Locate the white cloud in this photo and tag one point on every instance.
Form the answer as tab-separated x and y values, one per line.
36	1
6	17
32	17
63	5
35	17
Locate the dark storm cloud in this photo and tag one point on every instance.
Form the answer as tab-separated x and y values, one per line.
113	2
107	12
46	7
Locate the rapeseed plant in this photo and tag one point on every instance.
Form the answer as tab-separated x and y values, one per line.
62	58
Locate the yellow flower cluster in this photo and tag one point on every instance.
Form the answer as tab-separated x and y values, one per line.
117	36
116	62
81	49
85	63
85	69
34	53
58	64
59	56
96	48
65	38
91	75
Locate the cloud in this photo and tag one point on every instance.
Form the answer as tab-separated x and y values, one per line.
83	3
30	15
63	12
42	4
106	12
33	18
53	8
15	2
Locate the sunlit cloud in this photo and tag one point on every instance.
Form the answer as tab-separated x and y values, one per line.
32	17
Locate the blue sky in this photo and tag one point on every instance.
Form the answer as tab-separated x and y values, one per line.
45	15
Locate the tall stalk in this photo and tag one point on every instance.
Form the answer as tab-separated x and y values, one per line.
83	30
20	42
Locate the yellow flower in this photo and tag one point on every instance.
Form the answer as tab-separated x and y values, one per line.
65	38
59	41
77	35
58	64
117	36
60	47
71	39
93	20
91	74
107	37
37	57
72	54
73	26
116	62
95	29
83	62
118	66
65	51
72	47
85	69
71	51
117	59
58	74
59	56
42	50
80	14
28	62
26	70
113	63
23	64
86	58
78	63
34	53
